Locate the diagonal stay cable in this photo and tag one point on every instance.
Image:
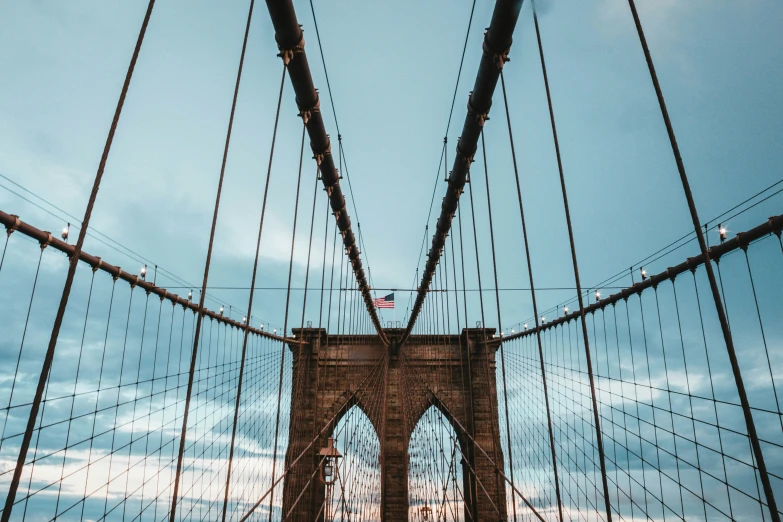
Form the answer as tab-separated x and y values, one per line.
285	322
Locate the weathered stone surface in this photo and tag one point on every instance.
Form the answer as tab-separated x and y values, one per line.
455	374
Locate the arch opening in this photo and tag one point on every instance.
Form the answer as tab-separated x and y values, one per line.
436	486
356	493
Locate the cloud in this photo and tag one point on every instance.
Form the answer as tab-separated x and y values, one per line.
658	17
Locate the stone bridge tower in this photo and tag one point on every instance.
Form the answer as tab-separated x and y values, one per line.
460	381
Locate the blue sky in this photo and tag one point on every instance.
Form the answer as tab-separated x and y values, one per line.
392	70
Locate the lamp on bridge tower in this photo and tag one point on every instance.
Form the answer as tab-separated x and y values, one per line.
426	514
329	462
329	471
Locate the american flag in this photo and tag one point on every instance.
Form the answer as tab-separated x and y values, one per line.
384	302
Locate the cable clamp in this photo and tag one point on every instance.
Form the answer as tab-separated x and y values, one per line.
288	54
98	266
319	156
11	228
500	58
744	244
466	158
480	117
48	241
306	114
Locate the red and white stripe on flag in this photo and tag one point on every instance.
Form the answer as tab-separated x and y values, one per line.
384	302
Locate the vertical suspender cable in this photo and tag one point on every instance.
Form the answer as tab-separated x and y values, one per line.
309	250
596	416
290	40
200	313
323	268
535	305
493	412
73	262
252	289
497	43
473	496
724	325
497	303
285	322
5	246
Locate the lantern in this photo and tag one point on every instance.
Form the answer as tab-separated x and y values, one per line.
426	514
329	462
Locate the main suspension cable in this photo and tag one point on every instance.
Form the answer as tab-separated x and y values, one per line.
285	322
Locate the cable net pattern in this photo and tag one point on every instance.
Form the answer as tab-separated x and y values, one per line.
105	442
671	420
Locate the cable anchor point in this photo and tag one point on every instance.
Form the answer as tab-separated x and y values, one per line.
48	240
481	117
11	228
500	59
288	54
